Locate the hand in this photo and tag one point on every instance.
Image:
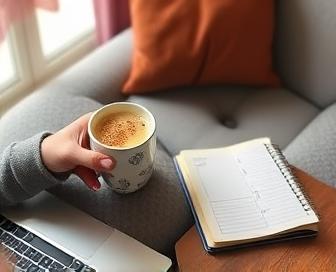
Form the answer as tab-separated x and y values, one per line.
68	150
4	265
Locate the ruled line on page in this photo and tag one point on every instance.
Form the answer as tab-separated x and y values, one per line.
237	215
264	177
246	190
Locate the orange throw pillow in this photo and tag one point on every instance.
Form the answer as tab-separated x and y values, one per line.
201	42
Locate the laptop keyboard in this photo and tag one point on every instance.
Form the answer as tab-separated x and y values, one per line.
29	253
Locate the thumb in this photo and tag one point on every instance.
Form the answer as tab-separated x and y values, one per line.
93	160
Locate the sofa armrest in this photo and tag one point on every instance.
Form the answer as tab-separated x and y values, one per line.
101	74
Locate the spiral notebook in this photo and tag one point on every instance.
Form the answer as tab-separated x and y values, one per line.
244	194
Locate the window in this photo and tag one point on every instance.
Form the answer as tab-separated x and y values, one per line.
8	73
60	30
42	45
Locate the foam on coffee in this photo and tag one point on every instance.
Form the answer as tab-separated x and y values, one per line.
122	129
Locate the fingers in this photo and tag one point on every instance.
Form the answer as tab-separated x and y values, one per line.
84	119
93	160
88	176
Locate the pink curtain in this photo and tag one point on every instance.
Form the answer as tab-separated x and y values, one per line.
112	16
12	10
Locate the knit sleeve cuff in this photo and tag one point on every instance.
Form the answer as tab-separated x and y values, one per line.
28	167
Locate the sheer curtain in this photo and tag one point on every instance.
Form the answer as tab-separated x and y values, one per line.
13	10
112	16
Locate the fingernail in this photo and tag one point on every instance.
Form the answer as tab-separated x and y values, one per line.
106	163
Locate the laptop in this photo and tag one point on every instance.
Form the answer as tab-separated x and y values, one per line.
46	234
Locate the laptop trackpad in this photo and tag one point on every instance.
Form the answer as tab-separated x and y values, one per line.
61	224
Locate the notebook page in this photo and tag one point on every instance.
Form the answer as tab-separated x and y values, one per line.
247	193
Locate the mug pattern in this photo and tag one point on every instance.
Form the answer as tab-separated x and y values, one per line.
137	158
129	181
146	171
124	184
134	166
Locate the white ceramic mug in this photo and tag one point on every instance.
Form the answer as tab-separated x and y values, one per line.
134	164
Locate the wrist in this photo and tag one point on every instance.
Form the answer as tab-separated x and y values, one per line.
48	160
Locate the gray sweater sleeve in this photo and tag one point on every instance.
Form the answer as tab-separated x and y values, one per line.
22	172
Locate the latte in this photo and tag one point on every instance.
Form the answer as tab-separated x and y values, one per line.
122	129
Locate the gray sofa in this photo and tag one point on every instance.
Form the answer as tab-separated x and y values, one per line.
300	117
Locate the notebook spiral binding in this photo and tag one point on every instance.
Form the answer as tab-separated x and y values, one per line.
293	181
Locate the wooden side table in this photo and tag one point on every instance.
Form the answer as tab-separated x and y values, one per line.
307	254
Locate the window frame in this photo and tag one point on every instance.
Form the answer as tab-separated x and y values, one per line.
33	69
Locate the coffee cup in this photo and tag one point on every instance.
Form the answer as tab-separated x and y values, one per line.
127	132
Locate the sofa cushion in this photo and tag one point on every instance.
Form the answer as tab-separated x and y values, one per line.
100	74
201	42
218	116
305	47
314	149
42	111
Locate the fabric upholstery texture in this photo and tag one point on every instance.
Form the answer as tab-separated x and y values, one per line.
42	111
219	116
201	42
314	149
101	74
305	48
